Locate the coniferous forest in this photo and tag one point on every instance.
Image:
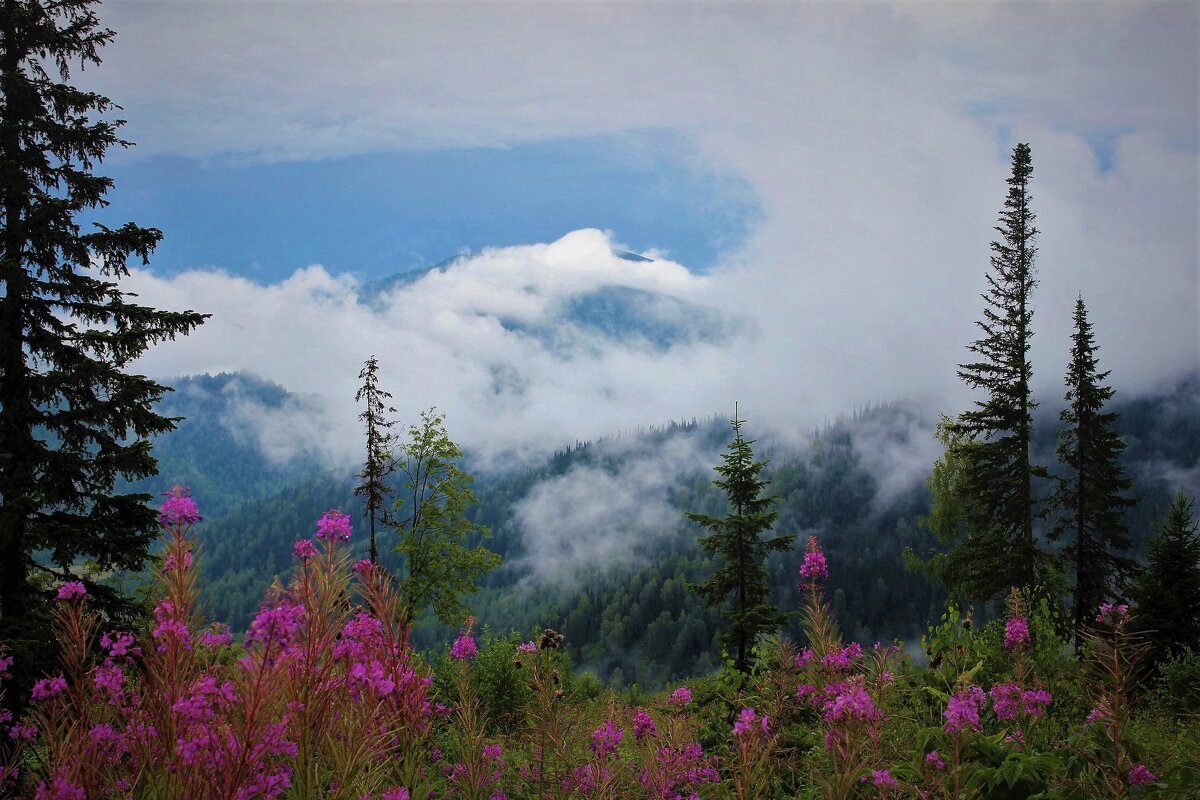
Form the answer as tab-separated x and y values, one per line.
741	614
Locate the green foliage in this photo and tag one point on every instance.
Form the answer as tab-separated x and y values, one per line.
996	471
1176	692
373	484
1090	499
73	419
440	563
741	580
496	678
1168	592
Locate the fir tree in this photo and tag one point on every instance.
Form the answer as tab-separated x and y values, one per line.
379	463
1167	593
996	470
1091	499
741	580
72	418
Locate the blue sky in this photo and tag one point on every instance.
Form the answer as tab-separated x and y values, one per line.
822	177
381	213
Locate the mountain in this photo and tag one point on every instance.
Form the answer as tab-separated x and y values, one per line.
594	539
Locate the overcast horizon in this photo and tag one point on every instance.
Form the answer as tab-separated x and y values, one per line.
816	183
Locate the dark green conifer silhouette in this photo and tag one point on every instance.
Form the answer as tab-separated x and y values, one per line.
73	419
1091	499
999	550
741	582
380	463
1167	593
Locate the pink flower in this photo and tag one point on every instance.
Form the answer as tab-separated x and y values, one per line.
46	688
680	697
850	702
1113	614
962	713
278	623
399	793
72	589
178	508
605	739
1140	775
1016	633
747	721
216	637
527	647
934	760
814	569
334	526
643	725
362	567
60	789
464	647
879	777
304	549
804	658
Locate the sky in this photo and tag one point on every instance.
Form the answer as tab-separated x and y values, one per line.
820	179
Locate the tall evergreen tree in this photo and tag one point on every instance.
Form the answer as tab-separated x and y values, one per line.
1091	500
379	463
741	580
72	418
1167	593
997	477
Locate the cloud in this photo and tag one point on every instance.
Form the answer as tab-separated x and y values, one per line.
875	139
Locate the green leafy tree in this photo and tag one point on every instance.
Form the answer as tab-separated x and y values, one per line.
72	417
992	440
379	464
741	583
440	565
1091	499
1168	591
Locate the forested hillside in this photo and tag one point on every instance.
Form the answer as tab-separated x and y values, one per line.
595	542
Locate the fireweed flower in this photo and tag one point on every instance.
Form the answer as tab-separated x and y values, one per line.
847	702
605	739
46	688
178	508
277	623
171	565
962	713
746	723
464	646
680	697
217	636
814	570
1009	700
1140	775
304	549
1016	633
879	777
1113	614
643	725
60	789
527	647
72	589
804	657
399	793
843	660
362	567
934	760
334	526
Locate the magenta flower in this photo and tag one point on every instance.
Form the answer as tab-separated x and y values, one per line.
399	793
605	739
680	697
304	549
334	526
46	688
60	789
1140	775
962	713
879	777
217	637
748	720
804	658
1113	614
362	567
1016	633
814	570
178	508
849	702
934	760
643	725
72	589
464	647
278	623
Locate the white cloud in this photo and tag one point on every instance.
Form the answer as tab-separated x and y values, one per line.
873	136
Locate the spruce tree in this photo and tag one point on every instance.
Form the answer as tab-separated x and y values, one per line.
1167	594
1091	499
379	463
741	583
997	476
72	417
